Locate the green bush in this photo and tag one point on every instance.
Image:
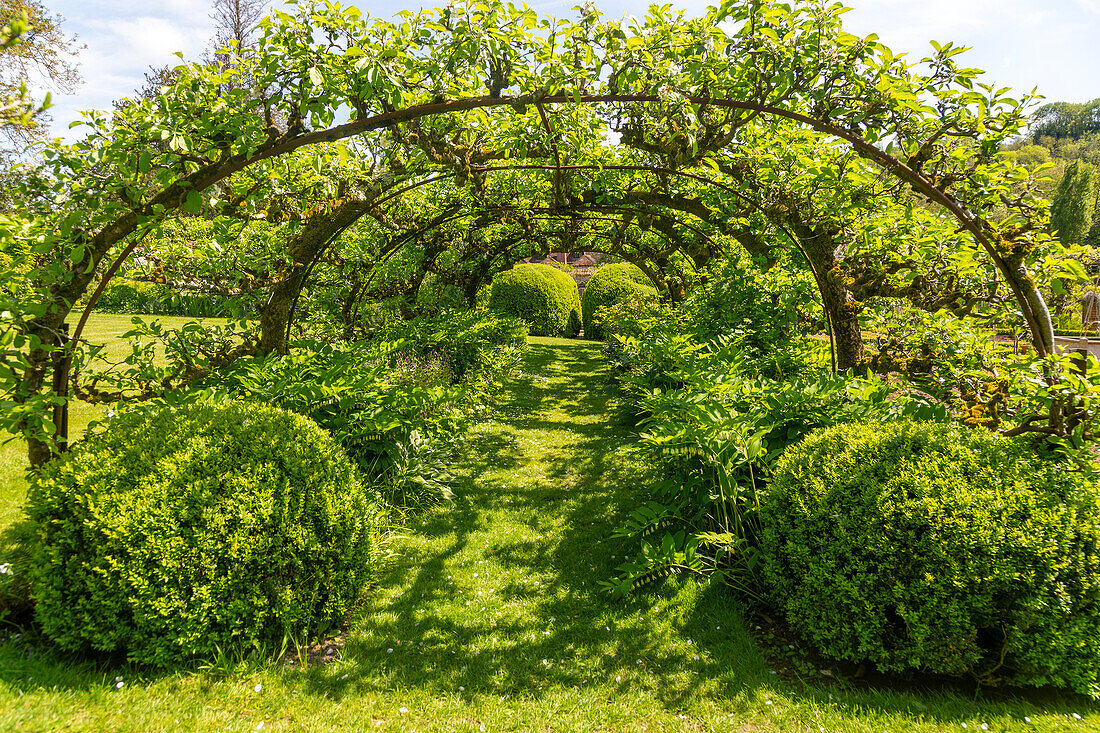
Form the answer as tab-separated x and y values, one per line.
760	308
926	546
610	285
384	404
123	296
466	337
542	295
184	532
131	296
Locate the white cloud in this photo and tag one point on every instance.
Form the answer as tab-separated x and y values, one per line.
122	45
188	8
1090	6
152	40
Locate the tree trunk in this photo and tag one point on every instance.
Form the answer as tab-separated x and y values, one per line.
48	328
349	308
819	245
275	314
844	315
316	234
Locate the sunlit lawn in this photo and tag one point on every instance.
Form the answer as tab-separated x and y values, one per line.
101	329
490	617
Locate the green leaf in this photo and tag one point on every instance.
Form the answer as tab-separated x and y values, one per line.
1074	270
193	202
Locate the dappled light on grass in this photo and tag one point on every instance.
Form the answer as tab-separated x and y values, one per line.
498	593
490	614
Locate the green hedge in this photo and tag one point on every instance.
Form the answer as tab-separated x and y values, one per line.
1068	332
185	532
543	296
946	550
129	296
613	284
465	336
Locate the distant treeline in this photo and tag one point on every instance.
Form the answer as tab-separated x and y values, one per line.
1061	120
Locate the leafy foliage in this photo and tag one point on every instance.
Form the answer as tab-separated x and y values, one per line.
148	299
609	285
713	427
440	104
385	405
467	338
932	547
1072	207
759	309
391	404
1066	119
184	532
543	296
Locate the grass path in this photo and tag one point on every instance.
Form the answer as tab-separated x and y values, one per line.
489	617
497	599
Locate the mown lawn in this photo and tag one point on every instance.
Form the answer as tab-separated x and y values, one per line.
489	617
105	329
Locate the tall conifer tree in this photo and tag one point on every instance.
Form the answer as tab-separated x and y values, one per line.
1073	204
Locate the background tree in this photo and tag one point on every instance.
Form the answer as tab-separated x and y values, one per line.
16	109
1072	207
1093	237
1060	120
37	54
44	55
235	22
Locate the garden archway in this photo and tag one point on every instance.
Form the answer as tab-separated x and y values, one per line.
686	87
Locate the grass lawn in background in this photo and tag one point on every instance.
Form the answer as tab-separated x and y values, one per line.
102	328
489	617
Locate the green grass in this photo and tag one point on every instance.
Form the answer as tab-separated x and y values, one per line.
490	615
102	328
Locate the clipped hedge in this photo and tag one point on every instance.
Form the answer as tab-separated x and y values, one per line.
609	285
130	296
946	550
184	532
542	295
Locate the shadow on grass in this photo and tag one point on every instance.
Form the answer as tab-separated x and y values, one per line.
569	633
546	483
565	633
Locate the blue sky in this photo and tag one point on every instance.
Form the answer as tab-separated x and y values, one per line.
1053	45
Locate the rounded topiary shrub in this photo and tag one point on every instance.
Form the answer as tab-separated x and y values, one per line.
183	531
613	284
544	296
931	547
